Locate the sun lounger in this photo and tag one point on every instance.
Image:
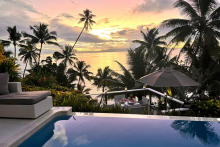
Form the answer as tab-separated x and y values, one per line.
20	104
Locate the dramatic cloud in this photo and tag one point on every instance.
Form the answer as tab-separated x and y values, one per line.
66	15
69	33
155	6
8	6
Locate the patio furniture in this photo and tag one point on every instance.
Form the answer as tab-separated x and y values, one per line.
118	97
126	105
138	110
30	104
144	101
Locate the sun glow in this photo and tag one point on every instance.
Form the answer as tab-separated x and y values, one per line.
104	33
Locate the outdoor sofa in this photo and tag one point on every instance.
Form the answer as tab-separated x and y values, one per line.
28	104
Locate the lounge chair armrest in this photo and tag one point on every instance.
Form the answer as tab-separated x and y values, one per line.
14	87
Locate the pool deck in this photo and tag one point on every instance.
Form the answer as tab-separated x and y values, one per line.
14	131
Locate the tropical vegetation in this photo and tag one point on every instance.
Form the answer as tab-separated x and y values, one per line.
198	35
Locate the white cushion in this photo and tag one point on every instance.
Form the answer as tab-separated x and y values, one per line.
144	100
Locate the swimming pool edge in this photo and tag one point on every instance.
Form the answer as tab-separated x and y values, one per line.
37	124
163	117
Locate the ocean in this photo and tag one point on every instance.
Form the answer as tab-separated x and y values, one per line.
100	60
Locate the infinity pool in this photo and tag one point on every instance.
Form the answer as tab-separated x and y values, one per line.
88	131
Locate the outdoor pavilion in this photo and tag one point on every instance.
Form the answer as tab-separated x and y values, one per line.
167	77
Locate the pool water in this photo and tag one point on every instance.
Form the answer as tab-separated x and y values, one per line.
88	131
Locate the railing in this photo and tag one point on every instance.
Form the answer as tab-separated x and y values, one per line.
146	89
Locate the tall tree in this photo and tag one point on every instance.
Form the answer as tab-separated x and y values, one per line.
28	53
152	43
67	55
200	30
137	62
103	78
86	17
80	71
42	36
123	80
144	59
14	38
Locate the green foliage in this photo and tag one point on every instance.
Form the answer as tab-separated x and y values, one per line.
161	106
9	65
205	109
40	80
80	103
63	96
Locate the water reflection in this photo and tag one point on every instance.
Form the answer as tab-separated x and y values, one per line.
82	140
54	130
204	131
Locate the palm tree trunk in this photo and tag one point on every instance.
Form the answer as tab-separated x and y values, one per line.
79	36
15	51
39	54
25	68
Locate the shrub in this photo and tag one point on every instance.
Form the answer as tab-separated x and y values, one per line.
9	65
40	80
205	109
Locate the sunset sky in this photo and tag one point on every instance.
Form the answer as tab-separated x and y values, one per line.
118	22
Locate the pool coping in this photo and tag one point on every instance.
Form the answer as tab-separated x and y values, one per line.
37	124
143	116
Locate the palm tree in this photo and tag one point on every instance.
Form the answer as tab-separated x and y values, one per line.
68	55
144	59
14	38
42	36
151	43
103	78
87	18
83	88
8	53
80	71
28	54
203	131
200	30
137	62
122	80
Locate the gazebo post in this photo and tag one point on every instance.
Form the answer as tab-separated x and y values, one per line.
150	97
165	101
106	99
126	92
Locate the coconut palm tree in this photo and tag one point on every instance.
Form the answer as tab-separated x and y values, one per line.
80	71
200	30
152	43
14	38
86	17
42	36
28	53
103	78
83	88
123	80
67	55
137	62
